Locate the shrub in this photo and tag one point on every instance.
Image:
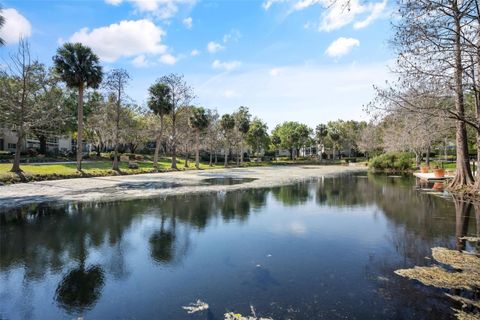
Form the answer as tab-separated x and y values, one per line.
400	161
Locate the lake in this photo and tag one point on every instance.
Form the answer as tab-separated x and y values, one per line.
323	248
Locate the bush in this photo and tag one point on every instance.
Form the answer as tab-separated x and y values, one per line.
397	161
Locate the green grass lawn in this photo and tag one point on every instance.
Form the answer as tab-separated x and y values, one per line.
32	172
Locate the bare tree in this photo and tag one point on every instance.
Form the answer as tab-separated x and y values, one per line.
115	83
180	95
28	97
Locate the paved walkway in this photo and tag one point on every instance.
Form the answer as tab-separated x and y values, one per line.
156	184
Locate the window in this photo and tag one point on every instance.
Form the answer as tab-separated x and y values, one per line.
12	145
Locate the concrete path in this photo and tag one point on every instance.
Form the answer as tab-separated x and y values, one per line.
157	184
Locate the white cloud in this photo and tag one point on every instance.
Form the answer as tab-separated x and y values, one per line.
341	47
376	11
194	53
188	22
162	9
304	93
114	2
124	39
275	72
268	3
140	61
234	35
16	26
339	13
230	94
214	47
168	59
226	65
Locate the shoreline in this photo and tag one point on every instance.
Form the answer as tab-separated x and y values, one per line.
151	185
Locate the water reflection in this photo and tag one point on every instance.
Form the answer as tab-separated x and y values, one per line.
356	231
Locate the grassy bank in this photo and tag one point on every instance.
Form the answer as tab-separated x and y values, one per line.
40	172
99	168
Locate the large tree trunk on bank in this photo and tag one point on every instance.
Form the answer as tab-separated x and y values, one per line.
463	174
18	147
211	158
197	149
80	128
462	214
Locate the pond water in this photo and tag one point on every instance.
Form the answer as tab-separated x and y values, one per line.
318	249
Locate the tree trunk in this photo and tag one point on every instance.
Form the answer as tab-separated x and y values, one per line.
241	153
155	155
211	158
427	158
117	129
42	139
476	80
157	146
463	174
226	156
80	128
16	160
197	149
186	159
174	141
216	158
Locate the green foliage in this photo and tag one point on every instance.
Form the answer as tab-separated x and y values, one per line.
198	119
242	120
400	161
257	135
291	134
78	66
227	122
159	100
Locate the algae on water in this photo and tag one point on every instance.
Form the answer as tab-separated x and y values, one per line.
466	275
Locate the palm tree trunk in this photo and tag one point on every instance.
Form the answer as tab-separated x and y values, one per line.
241	153
197	151
157	146
79	128
157	150
16	160
226	156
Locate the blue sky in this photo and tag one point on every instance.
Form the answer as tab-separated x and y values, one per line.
302	60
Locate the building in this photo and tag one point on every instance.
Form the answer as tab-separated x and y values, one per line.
55	143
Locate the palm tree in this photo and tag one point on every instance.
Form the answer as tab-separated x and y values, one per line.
228	124
321	131
2	23
159	103
335	137
198	121
79	68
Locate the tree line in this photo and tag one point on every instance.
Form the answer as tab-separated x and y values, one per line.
76	96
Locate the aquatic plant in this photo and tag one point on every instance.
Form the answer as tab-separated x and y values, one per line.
466	275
